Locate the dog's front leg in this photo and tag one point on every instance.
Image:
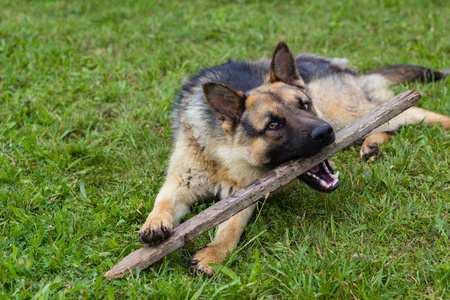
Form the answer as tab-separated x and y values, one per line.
172	203
226	239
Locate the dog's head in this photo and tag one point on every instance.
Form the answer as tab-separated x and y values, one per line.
277	121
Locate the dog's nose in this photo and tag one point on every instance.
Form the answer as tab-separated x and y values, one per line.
323	134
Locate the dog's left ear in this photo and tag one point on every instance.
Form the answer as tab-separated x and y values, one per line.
226	103
283	67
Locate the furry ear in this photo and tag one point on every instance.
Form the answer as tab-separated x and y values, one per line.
226	103
283	67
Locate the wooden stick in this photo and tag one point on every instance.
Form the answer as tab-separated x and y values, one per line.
225	208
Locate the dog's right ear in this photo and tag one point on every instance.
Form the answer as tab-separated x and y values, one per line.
226	103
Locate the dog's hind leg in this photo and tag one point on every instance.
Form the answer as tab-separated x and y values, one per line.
372	143
413	115
226	239
375	85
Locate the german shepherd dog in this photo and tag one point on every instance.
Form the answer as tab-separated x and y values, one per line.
236	121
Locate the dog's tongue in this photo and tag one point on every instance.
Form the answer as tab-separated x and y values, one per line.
314	169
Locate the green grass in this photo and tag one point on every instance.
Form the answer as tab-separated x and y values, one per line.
85	97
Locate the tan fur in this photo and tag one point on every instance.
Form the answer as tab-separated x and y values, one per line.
383	134
335	98
236	156
191	175
223	143
342	99
372	143
227	237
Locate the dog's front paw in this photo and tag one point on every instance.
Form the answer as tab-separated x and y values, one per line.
200	268
154	231
211	254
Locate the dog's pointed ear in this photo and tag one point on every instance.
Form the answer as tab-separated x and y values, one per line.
283	67
226	103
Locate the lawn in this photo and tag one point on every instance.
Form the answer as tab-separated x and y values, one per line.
86	90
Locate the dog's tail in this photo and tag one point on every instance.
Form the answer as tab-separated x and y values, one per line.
409	73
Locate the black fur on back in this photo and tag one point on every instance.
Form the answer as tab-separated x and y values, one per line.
311	66
240	75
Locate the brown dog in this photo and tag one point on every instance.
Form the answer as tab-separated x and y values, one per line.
236	121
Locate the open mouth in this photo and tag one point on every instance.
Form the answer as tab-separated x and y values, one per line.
321	178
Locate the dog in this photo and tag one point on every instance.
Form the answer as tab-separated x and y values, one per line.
236	121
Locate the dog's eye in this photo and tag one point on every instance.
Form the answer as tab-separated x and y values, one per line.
306	105
273	125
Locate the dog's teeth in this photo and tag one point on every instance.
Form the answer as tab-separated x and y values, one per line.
335	176
308	173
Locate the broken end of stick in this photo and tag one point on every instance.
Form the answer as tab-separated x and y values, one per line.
119	271
138	259
110	275
413	93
